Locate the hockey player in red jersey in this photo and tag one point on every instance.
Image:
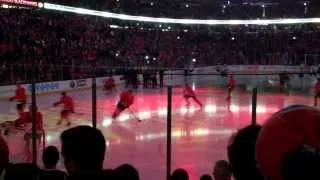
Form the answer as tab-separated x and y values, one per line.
68	108
20	96
317	92
109	85
231	85
25	119
18	124
126	100
21	121
189	93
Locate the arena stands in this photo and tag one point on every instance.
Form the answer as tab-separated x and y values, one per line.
52	46
59	43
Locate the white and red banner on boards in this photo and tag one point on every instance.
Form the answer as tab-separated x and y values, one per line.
20	2
57	86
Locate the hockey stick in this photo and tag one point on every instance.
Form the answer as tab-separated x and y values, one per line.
78	113
132	114
43	140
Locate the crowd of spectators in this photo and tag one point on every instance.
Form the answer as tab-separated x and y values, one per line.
83	150
60	46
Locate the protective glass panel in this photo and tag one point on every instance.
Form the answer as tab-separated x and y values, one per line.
135	130
210	104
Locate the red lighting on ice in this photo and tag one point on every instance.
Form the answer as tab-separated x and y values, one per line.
21	2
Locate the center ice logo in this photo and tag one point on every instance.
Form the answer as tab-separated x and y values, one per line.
45	87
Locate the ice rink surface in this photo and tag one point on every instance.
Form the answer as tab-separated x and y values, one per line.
200	136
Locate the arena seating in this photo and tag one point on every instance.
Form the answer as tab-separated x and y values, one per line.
58	43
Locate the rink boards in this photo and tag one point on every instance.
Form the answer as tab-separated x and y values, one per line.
45	88
246	76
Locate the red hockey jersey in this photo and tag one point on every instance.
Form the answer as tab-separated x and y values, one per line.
231	82
109	83
188	91
317	86
20	94
26	119
127	98
67	102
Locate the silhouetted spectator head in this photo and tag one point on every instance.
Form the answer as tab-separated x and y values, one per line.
23	171
206	177
83	149
302	164
109	173
4	154
127	172
50	157
180	174
102	175
222	170
241	154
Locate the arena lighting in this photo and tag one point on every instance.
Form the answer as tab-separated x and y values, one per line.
210	108
106	122
114	26
144	115
193	86
183	110
124	117
83	11
234	108
6	6
162	112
